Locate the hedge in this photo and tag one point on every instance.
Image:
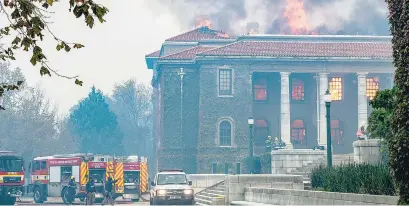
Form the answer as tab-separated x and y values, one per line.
354	178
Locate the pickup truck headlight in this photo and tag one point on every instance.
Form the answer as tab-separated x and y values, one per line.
188	192
161	192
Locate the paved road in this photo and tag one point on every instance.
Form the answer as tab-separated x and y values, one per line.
58	201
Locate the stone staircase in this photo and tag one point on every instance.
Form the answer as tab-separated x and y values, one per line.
211	195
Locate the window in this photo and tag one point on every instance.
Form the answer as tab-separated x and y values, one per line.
37	165
225	82
335	88
297	90
372	86
298	132
260	89
43	165
260	132
225	133
66	173
337	132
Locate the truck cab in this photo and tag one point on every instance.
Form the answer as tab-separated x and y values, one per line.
11	177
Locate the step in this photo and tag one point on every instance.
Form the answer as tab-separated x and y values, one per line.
204	197
219	192
218	188
211	194
202	201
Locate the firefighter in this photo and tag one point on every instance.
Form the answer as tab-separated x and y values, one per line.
72	186
90	189
108	191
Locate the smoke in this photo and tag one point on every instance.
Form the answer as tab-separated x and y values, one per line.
324	16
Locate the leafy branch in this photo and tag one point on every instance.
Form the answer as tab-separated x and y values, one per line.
27	24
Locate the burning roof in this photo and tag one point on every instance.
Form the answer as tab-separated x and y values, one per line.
200	34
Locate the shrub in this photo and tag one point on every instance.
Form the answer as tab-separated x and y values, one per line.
354	178
265	160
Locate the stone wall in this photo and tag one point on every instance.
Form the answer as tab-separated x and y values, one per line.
297	160
304	197
203	181
236	184
213	108
367	151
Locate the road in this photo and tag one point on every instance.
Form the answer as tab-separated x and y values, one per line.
57	201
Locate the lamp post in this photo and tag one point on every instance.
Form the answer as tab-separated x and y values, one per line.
251	123
327	99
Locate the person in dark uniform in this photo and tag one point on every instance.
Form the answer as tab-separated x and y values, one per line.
90	189
72	186
108	191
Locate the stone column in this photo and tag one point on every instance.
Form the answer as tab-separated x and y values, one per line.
362	100
285	110
323	121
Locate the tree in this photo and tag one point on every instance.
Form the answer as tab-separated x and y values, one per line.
380	119
95	125
132	104
28	25
399	143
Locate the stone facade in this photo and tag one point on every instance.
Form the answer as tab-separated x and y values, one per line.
198	124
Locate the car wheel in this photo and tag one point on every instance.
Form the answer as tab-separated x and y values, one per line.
37	195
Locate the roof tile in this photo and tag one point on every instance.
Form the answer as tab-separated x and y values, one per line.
153	54
201	33
305	49
188	54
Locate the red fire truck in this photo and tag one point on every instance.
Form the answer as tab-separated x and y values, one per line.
11	177
50	175
100	168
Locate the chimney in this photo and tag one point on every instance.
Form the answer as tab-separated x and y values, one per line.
252	28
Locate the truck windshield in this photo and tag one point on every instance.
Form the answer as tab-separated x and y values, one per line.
132	177
11	165
98	175
166	179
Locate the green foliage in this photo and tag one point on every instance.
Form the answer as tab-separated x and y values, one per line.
399	143
27	26
354	178
96	126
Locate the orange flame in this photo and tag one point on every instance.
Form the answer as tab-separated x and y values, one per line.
296	17
203	21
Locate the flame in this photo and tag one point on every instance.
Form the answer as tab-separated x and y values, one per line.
203	21
296	17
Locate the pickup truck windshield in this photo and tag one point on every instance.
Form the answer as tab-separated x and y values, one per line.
11	165
166	179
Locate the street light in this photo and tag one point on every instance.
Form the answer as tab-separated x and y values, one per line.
327	99
251	123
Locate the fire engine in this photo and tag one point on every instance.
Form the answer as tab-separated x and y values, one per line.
50	175
11	177
100	168
134	176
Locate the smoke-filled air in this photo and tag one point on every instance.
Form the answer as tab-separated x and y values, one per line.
355	17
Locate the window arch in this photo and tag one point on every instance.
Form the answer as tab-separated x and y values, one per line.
337	132
261	131
225	132
298	132
297	89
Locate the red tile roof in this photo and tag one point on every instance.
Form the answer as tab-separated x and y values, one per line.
202	33
153	54
305	49
188	54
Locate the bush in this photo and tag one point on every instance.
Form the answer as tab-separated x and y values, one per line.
265	160
354	178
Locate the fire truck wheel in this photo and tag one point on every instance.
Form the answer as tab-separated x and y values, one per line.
37	196
64	195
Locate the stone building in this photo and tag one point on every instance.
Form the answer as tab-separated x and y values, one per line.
207	84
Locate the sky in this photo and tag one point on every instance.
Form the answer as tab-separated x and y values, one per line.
115	50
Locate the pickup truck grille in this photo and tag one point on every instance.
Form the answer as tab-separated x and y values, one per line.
175	192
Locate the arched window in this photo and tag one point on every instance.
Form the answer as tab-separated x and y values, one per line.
225	133
260	132
337	132
298	132
297	89
260	89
